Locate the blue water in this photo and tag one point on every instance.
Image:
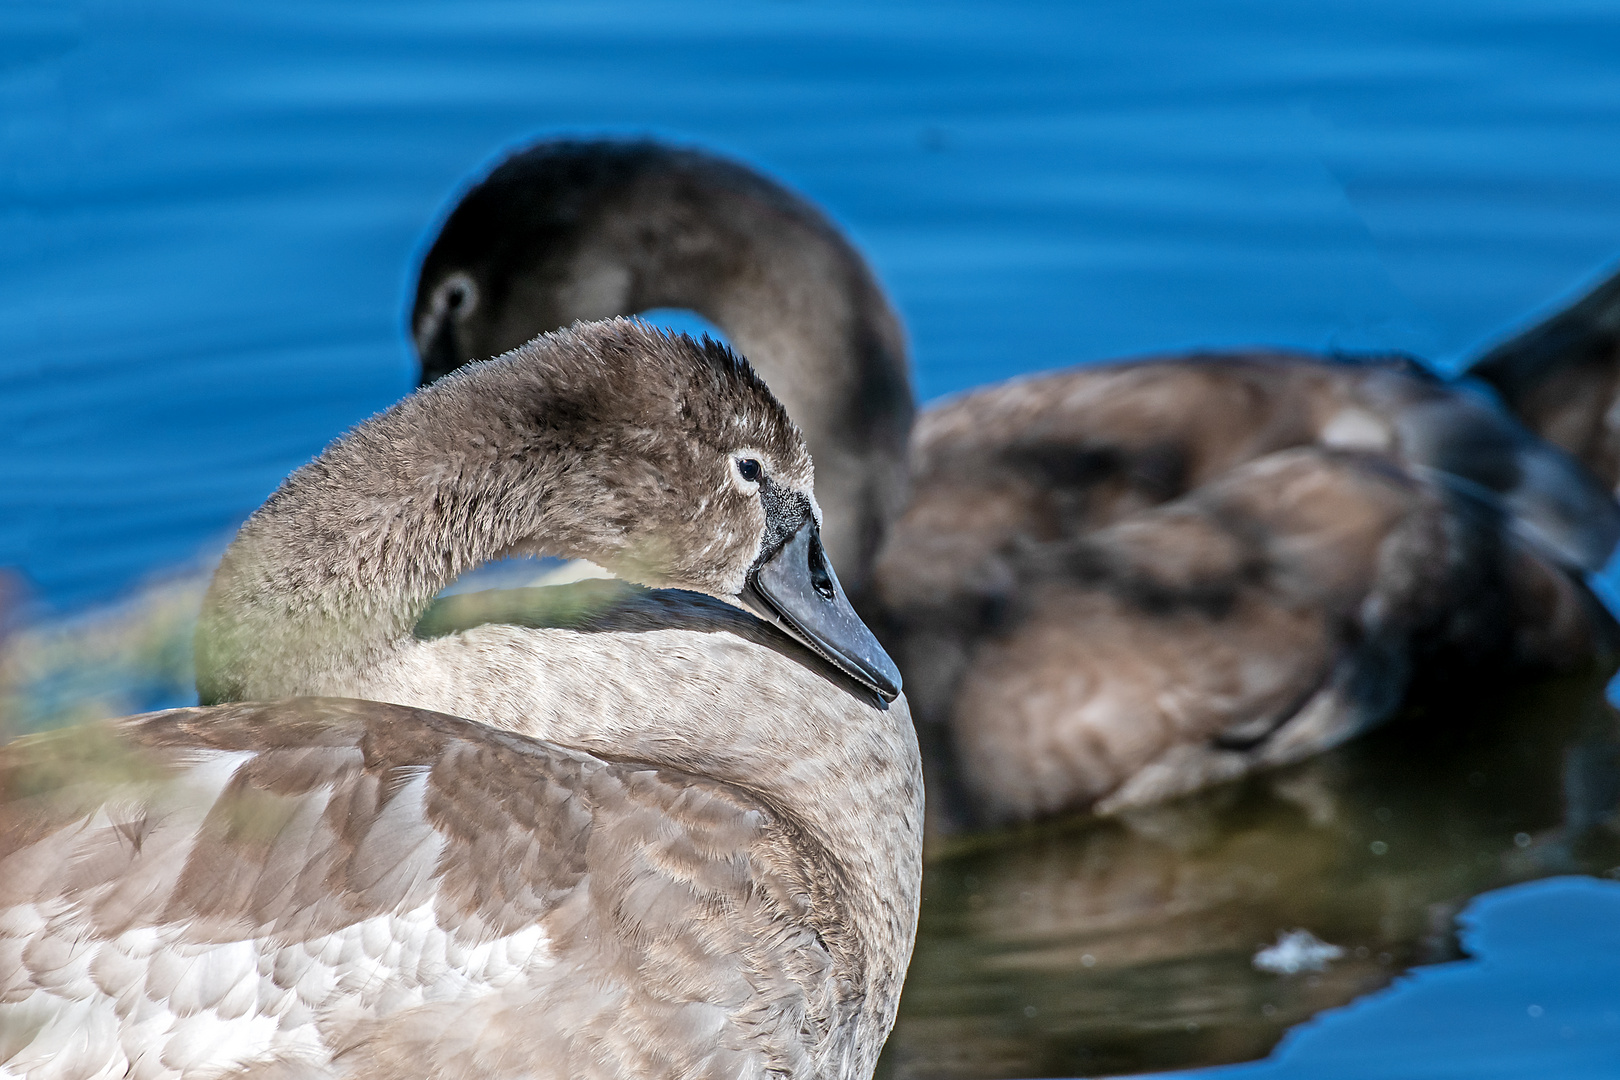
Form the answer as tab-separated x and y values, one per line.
212	210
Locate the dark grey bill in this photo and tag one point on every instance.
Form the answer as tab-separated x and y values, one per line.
797	590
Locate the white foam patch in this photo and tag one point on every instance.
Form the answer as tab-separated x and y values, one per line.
1296	951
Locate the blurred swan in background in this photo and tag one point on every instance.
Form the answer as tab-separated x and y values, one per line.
683	844
1109	585
1122	582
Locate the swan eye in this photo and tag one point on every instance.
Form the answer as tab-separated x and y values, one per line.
749	469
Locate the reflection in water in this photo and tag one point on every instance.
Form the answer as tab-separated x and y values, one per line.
1127	945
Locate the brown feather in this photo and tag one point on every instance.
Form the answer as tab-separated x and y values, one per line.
692	929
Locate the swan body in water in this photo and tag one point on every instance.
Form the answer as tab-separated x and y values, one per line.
1120	583
683	841
1107	585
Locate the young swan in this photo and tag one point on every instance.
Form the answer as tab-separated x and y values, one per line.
712	871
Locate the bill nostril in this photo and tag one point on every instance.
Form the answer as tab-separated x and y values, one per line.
820	578
823	583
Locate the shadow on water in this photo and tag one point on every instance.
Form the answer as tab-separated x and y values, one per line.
1126	945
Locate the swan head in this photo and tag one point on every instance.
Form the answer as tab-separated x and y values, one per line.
668	462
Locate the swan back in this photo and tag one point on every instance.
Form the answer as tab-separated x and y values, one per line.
1256	511
1058	454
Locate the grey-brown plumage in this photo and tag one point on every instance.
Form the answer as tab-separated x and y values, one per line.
325	887
568	230
666	841
1122	582
1562	378
1080	448
1269	615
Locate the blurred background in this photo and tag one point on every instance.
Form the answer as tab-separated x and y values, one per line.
213	214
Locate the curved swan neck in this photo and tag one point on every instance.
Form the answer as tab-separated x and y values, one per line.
581	230
610	442
337	567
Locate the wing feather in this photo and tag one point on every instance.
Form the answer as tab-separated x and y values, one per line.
322	887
